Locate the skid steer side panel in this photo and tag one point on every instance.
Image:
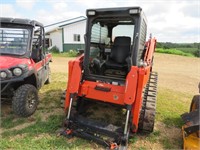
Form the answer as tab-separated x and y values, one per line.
74	78
131	84
102	92
143	77
112	93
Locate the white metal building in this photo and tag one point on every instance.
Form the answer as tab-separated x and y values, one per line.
67	35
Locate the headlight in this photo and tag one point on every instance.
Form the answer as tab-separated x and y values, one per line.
91	12
17	71
3	74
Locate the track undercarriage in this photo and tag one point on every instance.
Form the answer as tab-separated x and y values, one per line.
107	124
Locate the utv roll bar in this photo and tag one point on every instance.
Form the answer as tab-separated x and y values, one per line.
20	21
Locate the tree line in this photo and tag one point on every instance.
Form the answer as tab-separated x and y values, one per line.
168	45
192	48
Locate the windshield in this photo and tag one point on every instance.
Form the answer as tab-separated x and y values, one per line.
123	30
110	46
14	41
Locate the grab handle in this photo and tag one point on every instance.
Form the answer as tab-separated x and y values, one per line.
104	89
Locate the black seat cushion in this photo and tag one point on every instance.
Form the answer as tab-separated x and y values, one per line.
112	64
119	52
35	55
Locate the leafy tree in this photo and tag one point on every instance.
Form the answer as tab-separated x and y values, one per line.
165	47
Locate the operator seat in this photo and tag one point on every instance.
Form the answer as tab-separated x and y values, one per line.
35	55
119	53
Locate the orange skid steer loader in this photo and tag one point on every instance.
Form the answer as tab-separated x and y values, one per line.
115	72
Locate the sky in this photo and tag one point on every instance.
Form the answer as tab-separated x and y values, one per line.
168	20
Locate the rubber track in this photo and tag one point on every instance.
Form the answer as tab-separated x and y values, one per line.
148	111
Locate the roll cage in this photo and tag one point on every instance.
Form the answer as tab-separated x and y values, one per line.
111	18
36	43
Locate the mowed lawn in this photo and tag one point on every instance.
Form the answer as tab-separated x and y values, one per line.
178	79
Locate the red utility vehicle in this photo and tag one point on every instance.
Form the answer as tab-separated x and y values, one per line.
115	72
24	64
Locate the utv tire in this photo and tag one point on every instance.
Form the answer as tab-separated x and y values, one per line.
25	100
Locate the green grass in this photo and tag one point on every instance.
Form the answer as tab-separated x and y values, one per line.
187	50
11	121
60	54
142	148
66	54
190	52
50	94
174	51
133	140
170	105
153	137
167	143
49	126
43	142
41	133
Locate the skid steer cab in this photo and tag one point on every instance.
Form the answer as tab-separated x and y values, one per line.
24	66
112	89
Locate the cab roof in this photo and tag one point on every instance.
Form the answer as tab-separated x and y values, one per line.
117	11
20	21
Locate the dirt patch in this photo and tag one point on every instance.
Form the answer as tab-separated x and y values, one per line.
19	136
46	115
40	136
19	127
60	64
178	73
175	72
5	109
155	142
173	134
144	143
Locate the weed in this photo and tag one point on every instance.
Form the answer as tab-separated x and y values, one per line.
70	53
133	140
156	133
54	49
142	148
166	143
153	137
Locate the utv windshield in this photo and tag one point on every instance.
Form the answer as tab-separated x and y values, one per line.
14	41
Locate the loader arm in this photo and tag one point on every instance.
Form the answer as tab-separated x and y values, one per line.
74	78
151	45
